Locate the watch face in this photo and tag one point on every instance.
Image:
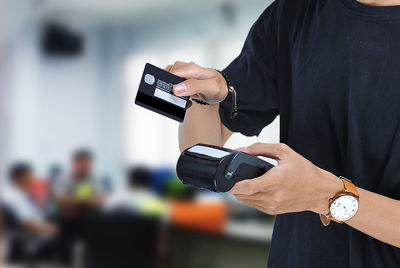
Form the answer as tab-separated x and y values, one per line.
344	208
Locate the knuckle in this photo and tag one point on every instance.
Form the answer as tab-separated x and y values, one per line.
283	147
192	70
255	146
189	85
192	66
274	174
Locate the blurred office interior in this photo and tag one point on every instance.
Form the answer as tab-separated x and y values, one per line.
69	72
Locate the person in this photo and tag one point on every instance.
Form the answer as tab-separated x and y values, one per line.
28	234
78	191
18	201
76	196
139	198
330	70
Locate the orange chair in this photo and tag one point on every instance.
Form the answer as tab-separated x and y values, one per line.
208	216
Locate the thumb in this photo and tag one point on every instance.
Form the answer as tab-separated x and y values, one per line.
276	151
191	87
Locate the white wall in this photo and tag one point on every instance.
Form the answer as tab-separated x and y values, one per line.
58	105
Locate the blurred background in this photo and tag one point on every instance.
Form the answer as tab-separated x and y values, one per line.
87	178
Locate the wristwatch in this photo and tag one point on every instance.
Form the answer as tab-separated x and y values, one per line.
343	206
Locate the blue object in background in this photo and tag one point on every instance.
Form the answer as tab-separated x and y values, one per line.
160	178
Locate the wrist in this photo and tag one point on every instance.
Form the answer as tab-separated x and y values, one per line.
224	90
330	185
229	88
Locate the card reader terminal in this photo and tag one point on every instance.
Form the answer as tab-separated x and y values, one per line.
217	168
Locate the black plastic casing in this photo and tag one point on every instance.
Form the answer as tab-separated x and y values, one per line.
218	174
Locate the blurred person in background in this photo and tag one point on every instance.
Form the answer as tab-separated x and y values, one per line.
29	235
76	195
79	191
18	200
139	197
330	69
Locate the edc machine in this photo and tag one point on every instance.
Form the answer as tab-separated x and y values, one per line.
216	168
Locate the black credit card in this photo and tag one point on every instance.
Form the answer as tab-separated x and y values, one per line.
155	93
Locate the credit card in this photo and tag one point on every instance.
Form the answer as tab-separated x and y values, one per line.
155	93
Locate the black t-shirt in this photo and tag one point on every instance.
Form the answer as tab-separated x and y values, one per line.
331	70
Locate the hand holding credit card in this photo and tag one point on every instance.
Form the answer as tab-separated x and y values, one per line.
155	93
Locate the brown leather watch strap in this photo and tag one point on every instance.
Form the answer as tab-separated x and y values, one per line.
349	186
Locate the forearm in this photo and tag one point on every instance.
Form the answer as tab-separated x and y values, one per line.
202	124
378	216
296	185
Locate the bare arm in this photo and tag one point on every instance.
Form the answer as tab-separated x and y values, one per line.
202	122
297	185
378	216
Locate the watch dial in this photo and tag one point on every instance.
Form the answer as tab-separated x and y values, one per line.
344	208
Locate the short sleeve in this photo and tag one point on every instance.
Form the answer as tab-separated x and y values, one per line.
254	76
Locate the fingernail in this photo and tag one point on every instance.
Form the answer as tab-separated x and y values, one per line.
180	88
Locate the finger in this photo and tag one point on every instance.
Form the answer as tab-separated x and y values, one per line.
176	65
257	196
275	151
261	205
264	206
191	87
246	187
189	70
263	183
168	68
242	149
254	203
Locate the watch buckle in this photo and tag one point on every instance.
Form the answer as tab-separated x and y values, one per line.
324	219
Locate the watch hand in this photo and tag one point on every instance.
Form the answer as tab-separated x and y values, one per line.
340	208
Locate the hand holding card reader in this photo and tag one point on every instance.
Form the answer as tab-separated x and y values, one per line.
217	168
